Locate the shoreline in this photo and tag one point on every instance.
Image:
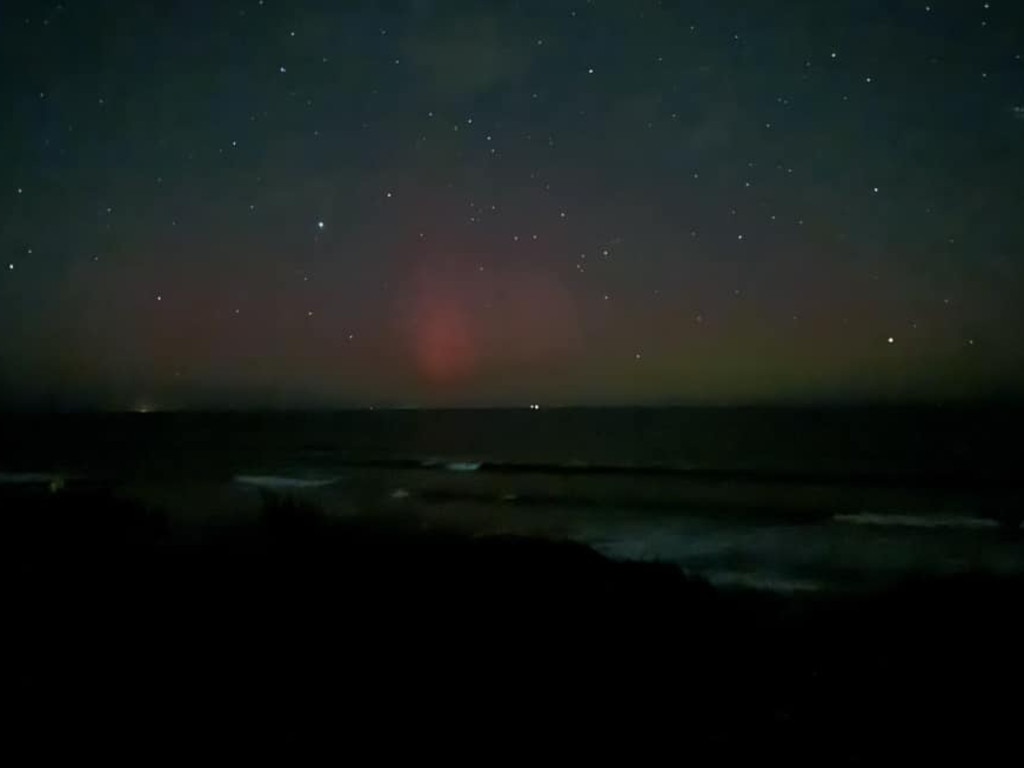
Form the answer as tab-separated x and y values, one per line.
277	618
728	541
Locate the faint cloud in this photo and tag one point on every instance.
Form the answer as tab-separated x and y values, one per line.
467	55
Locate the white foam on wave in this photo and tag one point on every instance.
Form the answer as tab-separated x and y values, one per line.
32	478
694	556
462	466
916	521
764	581
435	462
281	482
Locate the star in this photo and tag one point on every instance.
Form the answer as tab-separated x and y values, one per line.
600	141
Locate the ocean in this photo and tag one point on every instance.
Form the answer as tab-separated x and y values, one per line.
786	499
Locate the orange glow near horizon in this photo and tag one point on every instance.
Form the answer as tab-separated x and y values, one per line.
444	345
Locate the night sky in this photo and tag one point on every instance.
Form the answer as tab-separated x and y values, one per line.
288	203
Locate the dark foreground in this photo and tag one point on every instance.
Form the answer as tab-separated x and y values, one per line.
301	633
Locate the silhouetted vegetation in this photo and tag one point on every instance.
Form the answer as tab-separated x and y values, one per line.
296	625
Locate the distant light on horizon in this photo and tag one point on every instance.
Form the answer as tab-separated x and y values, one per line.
463	187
